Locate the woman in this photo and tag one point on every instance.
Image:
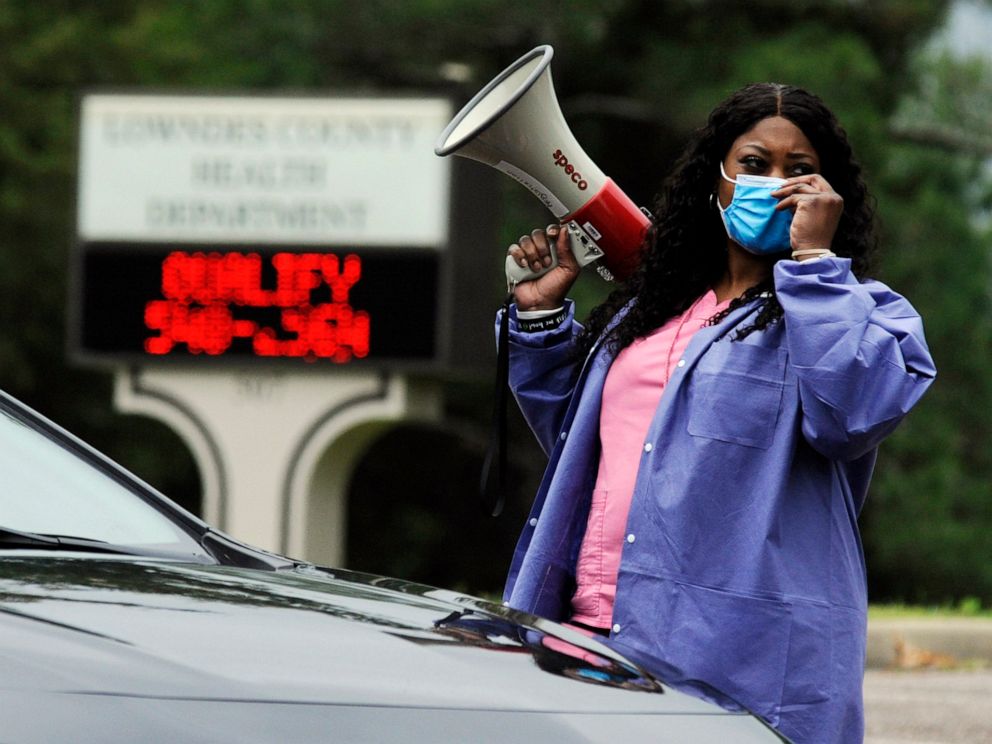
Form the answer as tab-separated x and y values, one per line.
713	429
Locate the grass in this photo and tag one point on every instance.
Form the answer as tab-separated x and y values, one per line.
967	607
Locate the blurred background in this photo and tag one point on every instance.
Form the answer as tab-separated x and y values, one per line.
911	81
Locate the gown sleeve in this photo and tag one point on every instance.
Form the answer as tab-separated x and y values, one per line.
858	351
543	372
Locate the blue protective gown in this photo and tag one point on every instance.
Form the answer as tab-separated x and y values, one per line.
742	569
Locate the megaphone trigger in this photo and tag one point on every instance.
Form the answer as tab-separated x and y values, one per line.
581	240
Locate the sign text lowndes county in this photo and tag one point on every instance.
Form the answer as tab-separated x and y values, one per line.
291	171
378	132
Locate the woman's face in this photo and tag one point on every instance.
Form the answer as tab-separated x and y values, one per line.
773	147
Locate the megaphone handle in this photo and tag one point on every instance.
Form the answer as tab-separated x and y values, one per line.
517	274
583	248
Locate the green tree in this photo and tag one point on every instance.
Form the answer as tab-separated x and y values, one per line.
929	525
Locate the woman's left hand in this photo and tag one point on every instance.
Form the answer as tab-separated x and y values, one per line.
816	209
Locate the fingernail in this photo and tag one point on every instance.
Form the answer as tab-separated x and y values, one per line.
537	266
547	260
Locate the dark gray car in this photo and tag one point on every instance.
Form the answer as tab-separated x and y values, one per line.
124	618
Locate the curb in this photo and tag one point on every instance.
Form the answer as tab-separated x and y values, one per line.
929	643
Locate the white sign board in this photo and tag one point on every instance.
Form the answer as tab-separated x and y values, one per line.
236	169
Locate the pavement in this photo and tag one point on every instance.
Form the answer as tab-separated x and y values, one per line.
928	681
929	643
928	706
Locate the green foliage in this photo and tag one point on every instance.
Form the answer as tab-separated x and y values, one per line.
952	105
634	78
927	525
967	607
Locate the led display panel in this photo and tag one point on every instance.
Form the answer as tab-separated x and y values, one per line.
335	305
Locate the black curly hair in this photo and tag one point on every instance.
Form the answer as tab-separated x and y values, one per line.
684	252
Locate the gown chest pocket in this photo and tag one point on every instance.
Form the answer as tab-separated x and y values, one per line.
736	393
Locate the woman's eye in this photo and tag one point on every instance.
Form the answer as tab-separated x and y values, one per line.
803	169
753	164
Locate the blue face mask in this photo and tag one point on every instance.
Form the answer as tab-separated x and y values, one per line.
751	219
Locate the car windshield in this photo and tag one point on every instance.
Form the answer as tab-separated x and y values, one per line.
47	487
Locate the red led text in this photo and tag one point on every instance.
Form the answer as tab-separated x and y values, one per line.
210	299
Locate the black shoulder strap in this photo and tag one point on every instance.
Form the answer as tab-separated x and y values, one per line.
492	483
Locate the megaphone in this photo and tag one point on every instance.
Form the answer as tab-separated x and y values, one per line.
515	125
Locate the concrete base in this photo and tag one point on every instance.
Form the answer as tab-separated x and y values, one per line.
276	451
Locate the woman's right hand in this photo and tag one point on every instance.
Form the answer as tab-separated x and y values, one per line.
534	251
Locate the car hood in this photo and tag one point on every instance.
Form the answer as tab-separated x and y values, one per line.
159	629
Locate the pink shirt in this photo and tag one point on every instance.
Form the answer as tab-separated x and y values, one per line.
631	394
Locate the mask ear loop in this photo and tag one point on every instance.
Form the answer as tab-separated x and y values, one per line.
715	200
715	197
